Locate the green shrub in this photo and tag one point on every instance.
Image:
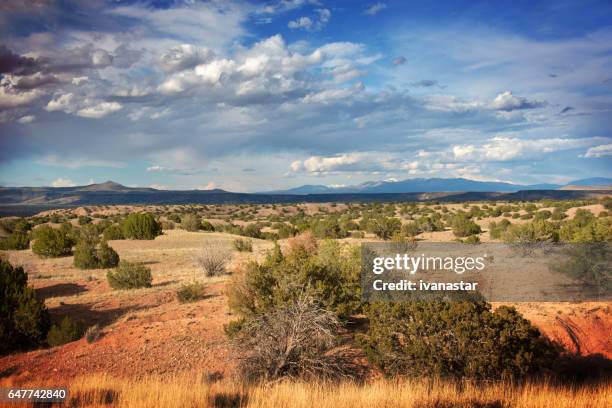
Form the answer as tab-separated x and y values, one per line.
67	331
253	231
16	241
585	227
93	333
51	242
496	230
15	224
113	232
24	320
207	226
454	339
83	220
107	257
330	273
243	245
543	215
472	239
385	227
141	226
328	227
85	255
285	230
463	226
410	229
190	222
89	253
175	218
129	275
558	214
536	231
589	264
191	292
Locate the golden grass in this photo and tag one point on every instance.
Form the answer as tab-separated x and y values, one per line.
194	391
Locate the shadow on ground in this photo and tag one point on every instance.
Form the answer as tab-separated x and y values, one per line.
89	315
60	289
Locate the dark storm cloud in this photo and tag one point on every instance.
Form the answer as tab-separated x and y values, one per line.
36	81
12	63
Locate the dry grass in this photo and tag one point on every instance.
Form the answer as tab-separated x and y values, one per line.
196	391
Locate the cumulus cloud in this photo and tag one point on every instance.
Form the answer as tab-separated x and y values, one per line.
506	101
599	151
63	182
507	148
62	102
316	23
375	8
193	86
10	97
184	56
369	162
26	119
302	22
100	110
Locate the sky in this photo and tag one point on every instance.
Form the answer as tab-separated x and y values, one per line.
255	96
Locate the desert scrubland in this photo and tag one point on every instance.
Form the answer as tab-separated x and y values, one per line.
176	340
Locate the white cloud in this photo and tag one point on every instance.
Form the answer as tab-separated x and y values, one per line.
159	186
63	103
13	98
100	110
375	9
62	182
26	119
215	71
209	186
79	80
216	23
302	22
185	56
599	151
324	15
507	148
506	101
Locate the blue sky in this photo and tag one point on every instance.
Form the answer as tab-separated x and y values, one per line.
253	96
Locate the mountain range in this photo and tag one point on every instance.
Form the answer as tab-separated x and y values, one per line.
31	200
430	185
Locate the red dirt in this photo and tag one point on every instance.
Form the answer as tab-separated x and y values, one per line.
154	334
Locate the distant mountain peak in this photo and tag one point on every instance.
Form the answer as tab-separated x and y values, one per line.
106	186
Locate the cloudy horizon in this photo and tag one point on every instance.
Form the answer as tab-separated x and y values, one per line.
255	96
